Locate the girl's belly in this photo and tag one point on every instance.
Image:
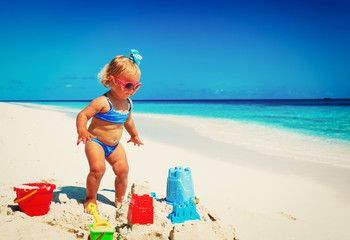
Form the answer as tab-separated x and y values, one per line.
108	133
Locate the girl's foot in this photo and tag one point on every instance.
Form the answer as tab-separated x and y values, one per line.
118	205
86	203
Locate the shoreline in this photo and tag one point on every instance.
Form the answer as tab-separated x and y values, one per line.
272	199
335	152
335	176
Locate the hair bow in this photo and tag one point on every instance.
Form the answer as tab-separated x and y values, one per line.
135	56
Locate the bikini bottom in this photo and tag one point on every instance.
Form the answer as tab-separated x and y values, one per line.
108	149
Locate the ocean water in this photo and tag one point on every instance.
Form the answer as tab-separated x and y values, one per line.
323	118
310	130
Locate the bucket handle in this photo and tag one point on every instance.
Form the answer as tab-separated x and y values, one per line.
25	197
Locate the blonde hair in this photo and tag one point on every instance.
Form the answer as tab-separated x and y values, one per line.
116	67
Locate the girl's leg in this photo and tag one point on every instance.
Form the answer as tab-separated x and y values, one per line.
117	159
95	155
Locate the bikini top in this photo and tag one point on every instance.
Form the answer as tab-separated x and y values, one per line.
112	115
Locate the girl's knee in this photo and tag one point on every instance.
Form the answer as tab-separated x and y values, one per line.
122	171
98	171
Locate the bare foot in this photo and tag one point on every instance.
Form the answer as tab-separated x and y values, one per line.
86	203
118	205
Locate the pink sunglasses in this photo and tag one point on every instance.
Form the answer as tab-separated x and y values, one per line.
129	85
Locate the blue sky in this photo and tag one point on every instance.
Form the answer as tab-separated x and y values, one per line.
238	49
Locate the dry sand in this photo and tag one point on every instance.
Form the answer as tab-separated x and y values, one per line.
247	201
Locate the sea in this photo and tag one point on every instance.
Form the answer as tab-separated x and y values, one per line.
316	130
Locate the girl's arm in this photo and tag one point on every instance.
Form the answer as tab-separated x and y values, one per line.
131	129
83	117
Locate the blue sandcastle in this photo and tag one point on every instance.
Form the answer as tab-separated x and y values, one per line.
180	195
179	185
183	212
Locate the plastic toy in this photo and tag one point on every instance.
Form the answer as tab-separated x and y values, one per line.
180	195
179	185
104	234
141	209
196	200
34	199
183	212
153	194
99	225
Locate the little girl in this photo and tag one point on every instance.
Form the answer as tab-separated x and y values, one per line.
110	113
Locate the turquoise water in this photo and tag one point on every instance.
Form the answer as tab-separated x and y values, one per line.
321	118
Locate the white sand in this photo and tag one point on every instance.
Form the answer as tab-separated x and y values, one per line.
287	199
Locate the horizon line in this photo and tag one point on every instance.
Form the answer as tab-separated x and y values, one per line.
233	99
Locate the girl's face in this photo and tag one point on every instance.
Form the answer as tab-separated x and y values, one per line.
121	84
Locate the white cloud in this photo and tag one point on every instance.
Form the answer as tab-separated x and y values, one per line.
219	91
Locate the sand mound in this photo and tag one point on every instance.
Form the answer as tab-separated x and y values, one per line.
66	219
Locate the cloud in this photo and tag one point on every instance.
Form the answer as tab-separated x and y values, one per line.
15	82
11	88
69	77
220	91
73	77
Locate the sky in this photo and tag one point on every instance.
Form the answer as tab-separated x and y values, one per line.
238	49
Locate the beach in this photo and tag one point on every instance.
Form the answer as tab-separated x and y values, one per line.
244	192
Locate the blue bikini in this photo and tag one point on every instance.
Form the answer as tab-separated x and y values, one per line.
107	149
114	117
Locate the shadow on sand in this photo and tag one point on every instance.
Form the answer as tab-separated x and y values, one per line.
79	194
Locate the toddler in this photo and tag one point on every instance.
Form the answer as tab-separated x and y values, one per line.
110	113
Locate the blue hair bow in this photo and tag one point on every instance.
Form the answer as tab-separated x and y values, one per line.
135	56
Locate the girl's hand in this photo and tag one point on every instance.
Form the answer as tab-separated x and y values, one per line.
136	140
85	136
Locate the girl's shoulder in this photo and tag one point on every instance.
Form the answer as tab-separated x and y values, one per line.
102	100
101	103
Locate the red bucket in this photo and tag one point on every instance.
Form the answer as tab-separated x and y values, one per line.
35	199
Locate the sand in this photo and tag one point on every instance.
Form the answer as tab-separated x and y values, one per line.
241	199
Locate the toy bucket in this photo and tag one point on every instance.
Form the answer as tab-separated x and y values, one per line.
34	199
103	234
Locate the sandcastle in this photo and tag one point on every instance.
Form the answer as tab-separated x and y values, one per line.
180	195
